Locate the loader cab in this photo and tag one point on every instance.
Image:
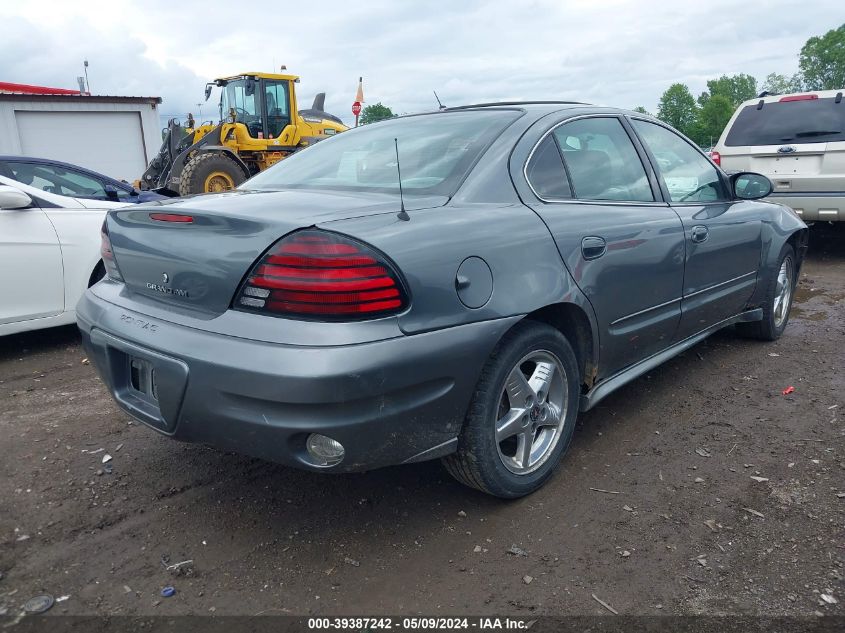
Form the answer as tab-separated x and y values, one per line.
263	104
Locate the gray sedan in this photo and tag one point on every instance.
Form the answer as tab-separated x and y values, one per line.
454	285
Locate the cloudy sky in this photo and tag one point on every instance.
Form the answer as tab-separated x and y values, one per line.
618	52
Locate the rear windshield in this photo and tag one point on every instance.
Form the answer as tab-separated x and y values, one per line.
810	121
435	153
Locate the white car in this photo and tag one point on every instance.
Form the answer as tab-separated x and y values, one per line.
49	255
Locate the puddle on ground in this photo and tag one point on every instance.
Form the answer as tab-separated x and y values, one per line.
804	293
797	312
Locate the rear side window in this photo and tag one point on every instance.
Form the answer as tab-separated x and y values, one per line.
546	174
602	161
805	121
688	175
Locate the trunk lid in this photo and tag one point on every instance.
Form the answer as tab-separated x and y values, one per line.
199	265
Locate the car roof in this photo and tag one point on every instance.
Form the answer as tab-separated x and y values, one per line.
539	109
498	104
50	161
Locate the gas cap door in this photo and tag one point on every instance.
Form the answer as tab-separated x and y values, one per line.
474	282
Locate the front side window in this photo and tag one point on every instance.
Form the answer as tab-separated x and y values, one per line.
602	161
55	179
123	195
688	175
239	98
436	151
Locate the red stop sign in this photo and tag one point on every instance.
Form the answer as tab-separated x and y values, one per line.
356	108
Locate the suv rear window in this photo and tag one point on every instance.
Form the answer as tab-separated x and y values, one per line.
809	121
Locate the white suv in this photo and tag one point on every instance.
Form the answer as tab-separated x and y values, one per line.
798	141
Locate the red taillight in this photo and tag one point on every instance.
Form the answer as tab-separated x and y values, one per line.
807	97
317	274
716	157
171	217
107	254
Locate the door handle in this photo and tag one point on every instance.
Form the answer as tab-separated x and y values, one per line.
699	234
593	247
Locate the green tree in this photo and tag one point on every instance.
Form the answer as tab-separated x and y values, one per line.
642	110
737	88
375	112
712	119
677	108
822	61
778	84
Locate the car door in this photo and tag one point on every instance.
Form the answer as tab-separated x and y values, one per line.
723	236
31	271
623	246
277	105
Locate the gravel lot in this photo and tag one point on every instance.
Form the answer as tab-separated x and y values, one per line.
727	498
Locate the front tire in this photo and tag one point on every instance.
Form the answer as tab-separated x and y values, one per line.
521	418
210	172
777	302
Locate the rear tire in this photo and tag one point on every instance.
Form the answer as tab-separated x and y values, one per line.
210	172
518	403
777	301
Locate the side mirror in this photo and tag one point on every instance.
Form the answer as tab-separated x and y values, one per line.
748	185
111	192
249	87
208	88
11	198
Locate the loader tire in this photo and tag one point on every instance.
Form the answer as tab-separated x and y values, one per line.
210	173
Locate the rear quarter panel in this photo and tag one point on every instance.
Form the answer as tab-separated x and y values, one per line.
527	271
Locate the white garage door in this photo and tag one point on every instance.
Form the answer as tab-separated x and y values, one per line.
108	142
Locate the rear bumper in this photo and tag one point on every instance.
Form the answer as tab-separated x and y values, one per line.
388	402
813	207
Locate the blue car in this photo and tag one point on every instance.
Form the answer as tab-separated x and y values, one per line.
64	179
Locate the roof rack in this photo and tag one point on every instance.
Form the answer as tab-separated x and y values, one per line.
514	103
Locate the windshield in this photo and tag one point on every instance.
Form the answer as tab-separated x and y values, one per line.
239	95
808	121
435	152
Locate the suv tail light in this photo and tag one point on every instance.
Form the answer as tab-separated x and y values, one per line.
107	254
322	275
716	157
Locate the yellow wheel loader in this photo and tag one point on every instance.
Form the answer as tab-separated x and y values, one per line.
260	125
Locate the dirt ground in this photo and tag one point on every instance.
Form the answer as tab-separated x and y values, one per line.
686	528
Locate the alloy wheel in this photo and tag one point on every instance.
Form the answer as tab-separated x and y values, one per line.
783	292
532	406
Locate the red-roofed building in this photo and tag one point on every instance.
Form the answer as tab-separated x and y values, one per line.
26	89
113	135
